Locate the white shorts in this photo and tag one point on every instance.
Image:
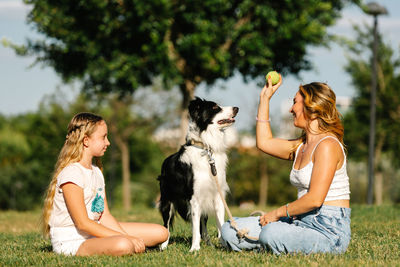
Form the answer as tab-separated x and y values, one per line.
67	240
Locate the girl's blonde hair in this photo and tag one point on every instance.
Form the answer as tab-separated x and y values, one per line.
320	104
82	125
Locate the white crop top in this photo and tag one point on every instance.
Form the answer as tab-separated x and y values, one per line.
340	187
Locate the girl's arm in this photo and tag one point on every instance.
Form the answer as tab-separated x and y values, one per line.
109	221
73	195
328	156
265	142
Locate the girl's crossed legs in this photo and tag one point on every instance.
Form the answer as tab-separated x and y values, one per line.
151	234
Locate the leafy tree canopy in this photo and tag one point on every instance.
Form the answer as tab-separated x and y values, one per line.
118	45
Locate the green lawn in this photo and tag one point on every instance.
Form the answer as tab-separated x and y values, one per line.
375	242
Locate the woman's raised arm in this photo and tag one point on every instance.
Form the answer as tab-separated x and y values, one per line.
276	147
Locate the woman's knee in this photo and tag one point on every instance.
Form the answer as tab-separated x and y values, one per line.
270	234
228	233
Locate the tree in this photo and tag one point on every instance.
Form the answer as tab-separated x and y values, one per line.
123	124
29	145
13	149
118	45
128	118
387	106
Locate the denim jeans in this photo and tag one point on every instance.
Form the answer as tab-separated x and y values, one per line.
325	229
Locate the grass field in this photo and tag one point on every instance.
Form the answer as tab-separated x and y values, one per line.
375	242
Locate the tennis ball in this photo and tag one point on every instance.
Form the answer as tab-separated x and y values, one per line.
274	77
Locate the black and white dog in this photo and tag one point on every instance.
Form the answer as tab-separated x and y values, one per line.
186	181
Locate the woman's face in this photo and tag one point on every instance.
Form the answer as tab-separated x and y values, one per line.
297	110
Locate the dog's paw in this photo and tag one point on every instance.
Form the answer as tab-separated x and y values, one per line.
194	248
164	245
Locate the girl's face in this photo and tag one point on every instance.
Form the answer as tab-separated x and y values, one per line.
297	110
98	142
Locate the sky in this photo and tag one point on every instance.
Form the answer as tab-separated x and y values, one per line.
22	87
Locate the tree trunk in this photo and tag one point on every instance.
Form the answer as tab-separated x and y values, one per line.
126	176
263	194
121	133
187	90
126	189
378	188
183	126
112	167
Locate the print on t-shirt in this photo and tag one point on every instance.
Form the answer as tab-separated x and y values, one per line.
98	203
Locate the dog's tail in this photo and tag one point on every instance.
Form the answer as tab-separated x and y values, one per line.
167	211
165	205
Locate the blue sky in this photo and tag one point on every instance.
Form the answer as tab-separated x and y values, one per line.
22	87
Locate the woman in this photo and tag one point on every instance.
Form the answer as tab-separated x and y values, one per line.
319	220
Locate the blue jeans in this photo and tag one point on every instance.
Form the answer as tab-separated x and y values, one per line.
325	229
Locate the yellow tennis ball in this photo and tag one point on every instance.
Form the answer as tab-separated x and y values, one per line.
274	77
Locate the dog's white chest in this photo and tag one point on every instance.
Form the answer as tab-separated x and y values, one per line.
204	185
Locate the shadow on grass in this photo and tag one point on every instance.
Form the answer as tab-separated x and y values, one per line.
180	240
187	242
46	248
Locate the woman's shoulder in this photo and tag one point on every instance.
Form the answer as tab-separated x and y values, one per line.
329	145
330	140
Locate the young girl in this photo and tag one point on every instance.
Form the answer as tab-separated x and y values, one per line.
75	213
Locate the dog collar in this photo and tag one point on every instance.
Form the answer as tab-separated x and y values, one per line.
197	144
206	151
200	145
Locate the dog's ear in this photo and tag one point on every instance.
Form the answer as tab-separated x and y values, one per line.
194	106
196	101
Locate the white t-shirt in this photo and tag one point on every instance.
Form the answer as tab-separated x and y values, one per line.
92	183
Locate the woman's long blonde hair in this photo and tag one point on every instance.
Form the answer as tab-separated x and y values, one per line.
320	104
81	125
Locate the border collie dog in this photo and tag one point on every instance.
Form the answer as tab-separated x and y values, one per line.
187	183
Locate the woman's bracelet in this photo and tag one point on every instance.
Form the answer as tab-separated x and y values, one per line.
287	212
257	119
